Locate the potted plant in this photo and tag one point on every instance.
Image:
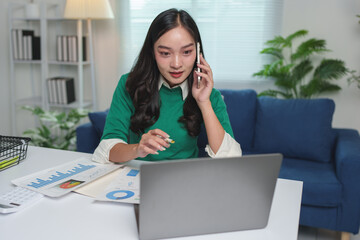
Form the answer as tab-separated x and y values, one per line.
294	70
57	129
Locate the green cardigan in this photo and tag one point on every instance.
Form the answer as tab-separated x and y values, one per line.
171	109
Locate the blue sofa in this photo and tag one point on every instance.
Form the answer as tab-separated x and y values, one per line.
326	159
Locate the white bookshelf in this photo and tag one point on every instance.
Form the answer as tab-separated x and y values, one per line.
50	17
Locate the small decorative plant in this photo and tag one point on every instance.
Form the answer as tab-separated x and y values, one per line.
354	78
294	71
57	129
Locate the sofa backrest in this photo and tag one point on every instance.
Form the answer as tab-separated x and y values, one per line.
297	128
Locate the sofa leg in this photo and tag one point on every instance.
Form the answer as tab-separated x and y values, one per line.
345	236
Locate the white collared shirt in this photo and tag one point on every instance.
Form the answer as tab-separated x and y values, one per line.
228	148
184	86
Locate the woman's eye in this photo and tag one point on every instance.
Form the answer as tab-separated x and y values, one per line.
165	54
187	52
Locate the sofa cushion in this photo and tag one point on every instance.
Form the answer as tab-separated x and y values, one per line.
320	184
241	107
87	138
297	128
98	121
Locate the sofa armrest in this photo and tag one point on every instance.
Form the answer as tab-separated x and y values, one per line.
87	138
347	163
347	155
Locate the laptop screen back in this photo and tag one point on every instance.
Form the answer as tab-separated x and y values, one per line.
202	196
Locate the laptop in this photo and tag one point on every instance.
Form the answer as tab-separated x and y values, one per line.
206	195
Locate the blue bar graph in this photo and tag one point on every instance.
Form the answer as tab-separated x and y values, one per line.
59	176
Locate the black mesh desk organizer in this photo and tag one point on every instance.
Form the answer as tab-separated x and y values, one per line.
12	150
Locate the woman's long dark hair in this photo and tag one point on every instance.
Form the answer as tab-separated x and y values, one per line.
142	82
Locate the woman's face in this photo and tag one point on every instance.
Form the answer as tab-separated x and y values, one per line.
175	55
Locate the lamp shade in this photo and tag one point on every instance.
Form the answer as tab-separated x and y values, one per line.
84	9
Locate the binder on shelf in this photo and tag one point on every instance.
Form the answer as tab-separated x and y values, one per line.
61	90
70	48
50	91
20	43
64	49
15	43
85	49
69	90
36	48
74	52
27	43
59	48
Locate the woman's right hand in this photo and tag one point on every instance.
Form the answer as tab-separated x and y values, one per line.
151	142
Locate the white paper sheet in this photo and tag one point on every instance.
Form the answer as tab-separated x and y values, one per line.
125	187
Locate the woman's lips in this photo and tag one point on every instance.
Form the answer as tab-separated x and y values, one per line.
176	74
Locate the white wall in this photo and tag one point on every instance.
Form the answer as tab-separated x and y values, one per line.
5	126
336	22
332	20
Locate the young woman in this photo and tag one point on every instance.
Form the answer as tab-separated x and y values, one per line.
157	109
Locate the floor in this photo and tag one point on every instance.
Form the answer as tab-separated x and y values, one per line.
307	233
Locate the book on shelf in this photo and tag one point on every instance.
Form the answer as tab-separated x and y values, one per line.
61	90
25	45
27	36
67	48
36	48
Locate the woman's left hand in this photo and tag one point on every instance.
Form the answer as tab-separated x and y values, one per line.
202	94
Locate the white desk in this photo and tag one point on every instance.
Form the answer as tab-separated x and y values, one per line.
76	216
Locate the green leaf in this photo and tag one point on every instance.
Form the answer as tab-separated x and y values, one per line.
301	70
331	69
273	69
277	42
309	89
308	48
317	86
329	87
354	78
45	131
261	73
34	110
291	37
273	51
60	117
48	117
285	83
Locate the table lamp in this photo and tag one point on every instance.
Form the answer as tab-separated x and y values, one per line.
87	9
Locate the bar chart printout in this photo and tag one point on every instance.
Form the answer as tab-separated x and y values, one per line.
59	176
57	181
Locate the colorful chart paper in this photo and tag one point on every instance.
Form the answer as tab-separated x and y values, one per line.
57	181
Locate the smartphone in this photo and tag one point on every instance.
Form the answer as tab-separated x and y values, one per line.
198	61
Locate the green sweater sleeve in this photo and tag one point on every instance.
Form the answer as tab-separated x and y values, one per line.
117	123
219	107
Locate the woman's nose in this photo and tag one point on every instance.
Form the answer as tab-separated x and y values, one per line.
176	62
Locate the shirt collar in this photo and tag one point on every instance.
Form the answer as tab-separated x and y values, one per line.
184	86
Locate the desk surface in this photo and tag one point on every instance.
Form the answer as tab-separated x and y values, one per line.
75	216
